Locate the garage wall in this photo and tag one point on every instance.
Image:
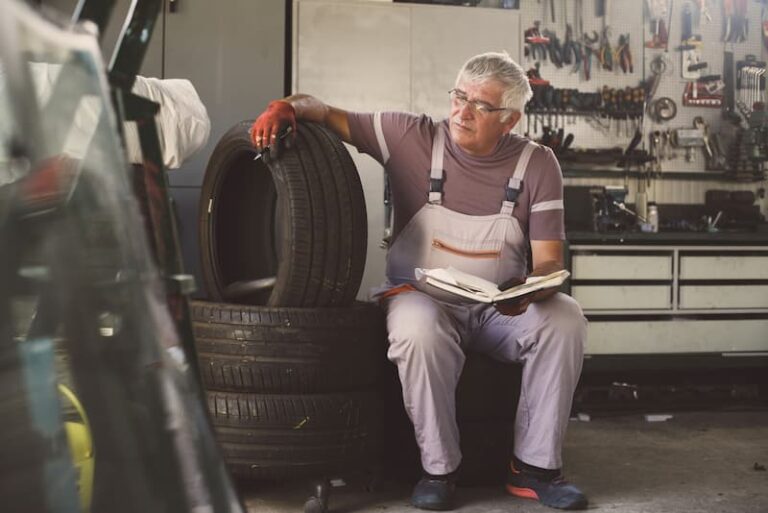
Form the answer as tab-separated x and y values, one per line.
369	56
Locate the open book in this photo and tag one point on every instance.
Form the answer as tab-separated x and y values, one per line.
484	291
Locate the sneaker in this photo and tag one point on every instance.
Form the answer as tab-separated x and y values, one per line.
434	493
555	492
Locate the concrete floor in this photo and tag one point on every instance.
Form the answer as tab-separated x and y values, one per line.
692	463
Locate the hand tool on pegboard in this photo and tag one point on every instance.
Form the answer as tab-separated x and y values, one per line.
764	22
663	109
535	43
691	64
571	50
704	92
658	67
687	35
736	23
688	139
703	10
591	49
750	84
729	92
578	18
554	48
699	123
623	55
605	53
658	11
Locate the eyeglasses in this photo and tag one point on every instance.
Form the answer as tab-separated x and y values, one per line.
459	99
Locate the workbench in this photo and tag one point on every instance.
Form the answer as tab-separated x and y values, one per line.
698	295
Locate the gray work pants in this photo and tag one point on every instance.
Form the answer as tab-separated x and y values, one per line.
427	341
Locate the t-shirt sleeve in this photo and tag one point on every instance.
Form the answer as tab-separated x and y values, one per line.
547	217
377	133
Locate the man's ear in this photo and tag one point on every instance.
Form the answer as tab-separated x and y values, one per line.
514	118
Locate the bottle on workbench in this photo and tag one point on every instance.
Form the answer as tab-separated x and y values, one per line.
653	216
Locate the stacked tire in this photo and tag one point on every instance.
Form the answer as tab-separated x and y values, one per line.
288	359
297	223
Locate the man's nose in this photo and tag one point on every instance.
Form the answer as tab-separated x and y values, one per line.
466	111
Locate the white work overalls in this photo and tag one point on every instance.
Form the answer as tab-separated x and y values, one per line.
429	331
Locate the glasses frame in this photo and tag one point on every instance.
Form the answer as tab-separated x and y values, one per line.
477	106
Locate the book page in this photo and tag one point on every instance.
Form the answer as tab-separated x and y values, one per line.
461	279
539	283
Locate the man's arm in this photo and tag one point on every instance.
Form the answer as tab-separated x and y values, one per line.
547	258
281	114
310	108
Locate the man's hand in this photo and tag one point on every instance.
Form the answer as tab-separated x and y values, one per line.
515	306
266	129
518	305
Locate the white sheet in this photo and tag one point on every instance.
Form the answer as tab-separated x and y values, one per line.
182	121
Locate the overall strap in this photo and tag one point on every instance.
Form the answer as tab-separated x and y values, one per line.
379	131
436	173
515	184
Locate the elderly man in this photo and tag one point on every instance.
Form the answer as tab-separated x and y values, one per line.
470	194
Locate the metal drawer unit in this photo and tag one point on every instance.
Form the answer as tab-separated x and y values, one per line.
623	279
724	280
654	299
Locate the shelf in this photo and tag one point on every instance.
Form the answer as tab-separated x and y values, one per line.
715	176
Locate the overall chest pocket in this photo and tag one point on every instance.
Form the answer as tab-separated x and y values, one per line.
476	256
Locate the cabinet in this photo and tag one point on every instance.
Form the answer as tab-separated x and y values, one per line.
646	299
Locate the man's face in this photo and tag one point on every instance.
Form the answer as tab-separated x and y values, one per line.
474	130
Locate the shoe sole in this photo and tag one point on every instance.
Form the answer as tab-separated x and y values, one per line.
527	493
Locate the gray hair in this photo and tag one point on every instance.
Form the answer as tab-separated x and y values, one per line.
499	66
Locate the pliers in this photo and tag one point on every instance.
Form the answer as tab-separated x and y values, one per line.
536	44
605	54
589	50
624	55
555	49
736	21
571	51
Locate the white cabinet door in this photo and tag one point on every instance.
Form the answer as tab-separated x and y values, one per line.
677	336
623	297
725	267
723	297
621	267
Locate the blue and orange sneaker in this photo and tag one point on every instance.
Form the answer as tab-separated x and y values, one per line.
550	490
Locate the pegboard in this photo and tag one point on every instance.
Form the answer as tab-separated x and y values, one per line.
622	17
631	17
712	51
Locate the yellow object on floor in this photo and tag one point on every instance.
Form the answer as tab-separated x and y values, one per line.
81	449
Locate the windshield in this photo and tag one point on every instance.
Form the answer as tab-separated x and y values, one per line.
100	411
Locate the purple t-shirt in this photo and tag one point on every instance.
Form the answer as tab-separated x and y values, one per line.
472	185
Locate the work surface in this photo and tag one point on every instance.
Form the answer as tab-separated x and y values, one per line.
692	463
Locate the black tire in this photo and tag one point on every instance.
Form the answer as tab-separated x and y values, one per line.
266	436
488	389
487	448
287	350
486	404
300	219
